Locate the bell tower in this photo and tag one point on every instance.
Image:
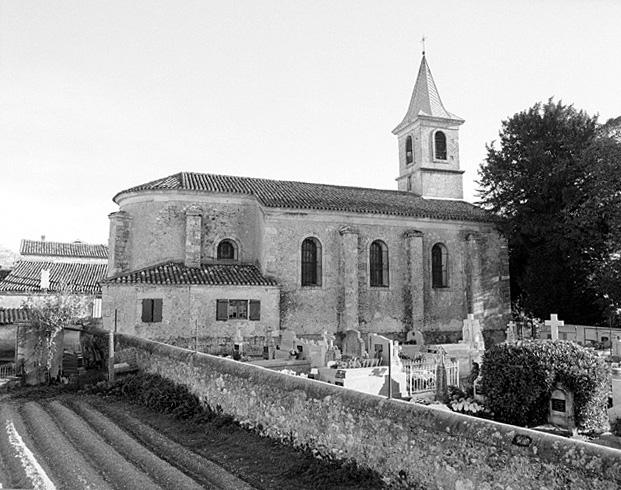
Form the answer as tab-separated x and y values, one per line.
428	139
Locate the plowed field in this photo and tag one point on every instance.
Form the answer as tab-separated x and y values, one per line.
92	442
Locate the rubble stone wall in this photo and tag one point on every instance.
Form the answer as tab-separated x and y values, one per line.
403	441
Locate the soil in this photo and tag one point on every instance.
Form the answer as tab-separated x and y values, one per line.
82	441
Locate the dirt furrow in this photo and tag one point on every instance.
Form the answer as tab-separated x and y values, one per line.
118	473
13	471
70	469
164	474
201	469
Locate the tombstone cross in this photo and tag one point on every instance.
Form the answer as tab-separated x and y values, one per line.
510	331
470	329
554	323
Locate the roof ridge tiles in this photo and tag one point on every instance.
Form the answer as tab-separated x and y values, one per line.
326	197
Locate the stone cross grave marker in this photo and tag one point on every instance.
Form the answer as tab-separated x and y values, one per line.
510	332
554	323
471	332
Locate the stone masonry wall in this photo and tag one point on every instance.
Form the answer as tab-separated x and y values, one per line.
158	231
272	239
189	311
413	443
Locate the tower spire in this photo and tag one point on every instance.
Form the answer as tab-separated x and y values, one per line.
428	142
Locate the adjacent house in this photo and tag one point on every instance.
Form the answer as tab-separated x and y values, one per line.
216	257
47	267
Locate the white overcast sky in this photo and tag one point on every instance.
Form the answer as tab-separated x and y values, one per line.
100	95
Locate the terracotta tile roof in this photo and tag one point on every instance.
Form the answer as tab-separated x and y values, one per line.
301	195
58	249
12	315
79	278
172	273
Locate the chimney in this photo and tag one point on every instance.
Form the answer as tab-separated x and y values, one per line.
45	279
193	224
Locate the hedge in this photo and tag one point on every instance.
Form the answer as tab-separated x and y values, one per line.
519	377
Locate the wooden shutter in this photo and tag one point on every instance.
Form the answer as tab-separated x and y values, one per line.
255	310
222	310
157	310
146	310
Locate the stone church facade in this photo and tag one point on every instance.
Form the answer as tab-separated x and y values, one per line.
223	258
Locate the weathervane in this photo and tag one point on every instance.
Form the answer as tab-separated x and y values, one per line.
422	41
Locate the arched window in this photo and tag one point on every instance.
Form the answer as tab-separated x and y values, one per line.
409	158
378	261
439	266
440	145
311	262
227	250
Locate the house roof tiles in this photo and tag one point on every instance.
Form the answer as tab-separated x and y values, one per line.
9	316
78	278
172	273
302	195
58	249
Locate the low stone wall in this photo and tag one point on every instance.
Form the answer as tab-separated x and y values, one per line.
403	441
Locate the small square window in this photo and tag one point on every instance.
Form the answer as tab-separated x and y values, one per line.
238	309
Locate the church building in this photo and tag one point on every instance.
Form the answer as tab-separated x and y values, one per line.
218	257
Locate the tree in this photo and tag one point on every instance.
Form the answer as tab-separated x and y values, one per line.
601	209
548	181
48	315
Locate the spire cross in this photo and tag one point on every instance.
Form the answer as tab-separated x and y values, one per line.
422	41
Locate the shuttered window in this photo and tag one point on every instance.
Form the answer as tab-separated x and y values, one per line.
255	310
222	310
238	309
152	310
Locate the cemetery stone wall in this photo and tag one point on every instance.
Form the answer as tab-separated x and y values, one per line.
400	440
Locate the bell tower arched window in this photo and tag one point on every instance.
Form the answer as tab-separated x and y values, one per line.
439	266
311	262
439	141
409	157
378	264
227	250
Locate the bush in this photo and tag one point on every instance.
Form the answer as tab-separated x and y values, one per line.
518	380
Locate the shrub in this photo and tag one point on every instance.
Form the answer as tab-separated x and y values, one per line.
518	380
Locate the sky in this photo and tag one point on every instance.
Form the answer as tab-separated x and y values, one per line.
97	96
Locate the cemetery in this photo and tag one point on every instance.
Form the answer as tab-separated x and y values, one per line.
348	389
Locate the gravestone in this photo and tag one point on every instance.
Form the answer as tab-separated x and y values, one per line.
510	332
353	345
554	323
414	337
315	351
614	412
478	393
238	341
616	347
471	333
561	408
